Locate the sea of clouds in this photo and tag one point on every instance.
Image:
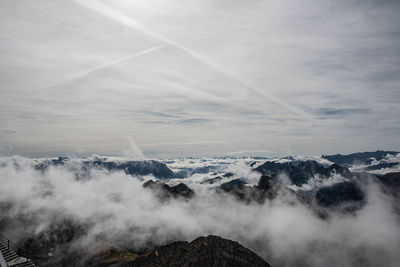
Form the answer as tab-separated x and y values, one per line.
116	211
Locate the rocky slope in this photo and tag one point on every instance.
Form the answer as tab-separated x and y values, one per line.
266	188
210	251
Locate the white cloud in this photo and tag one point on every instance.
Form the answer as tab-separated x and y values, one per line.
117	208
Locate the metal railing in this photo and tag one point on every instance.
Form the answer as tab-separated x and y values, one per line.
21	252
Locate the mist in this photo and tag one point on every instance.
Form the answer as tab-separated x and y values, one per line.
116	211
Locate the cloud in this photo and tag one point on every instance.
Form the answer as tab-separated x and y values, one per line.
281	74
137	25
195	121
9	131
342	111
119	212
109	64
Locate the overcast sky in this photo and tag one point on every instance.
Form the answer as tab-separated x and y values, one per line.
199	77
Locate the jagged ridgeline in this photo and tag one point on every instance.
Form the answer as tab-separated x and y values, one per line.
290	211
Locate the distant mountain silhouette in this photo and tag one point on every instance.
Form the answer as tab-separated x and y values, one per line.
365	158
299	172
135	168
144	167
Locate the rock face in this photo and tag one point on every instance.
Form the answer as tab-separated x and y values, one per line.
266	188
391	182
338	194
164	191
236	183
299	172
210	251
391	179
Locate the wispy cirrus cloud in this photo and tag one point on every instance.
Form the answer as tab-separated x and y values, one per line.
281	76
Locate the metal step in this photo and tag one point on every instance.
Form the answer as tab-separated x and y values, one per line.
11	257
24	264
8	254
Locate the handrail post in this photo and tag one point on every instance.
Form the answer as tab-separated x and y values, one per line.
8	244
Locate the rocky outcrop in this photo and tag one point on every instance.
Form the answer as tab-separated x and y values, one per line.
207	251
340	193
233	184
164	191
269	187
391	179
391	183
241	191
266	188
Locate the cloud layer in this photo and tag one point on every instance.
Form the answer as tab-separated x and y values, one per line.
117	211
80	75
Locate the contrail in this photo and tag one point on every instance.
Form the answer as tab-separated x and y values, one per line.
137	25
108	64
134	152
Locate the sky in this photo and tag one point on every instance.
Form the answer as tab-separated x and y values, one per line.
172	78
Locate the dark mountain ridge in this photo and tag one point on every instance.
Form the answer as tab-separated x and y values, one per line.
207	251
130	167
365	158
300	172
164	191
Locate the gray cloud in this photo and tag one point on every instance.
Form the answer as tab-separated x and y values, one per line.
342	111
9	131
73	71
195	121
